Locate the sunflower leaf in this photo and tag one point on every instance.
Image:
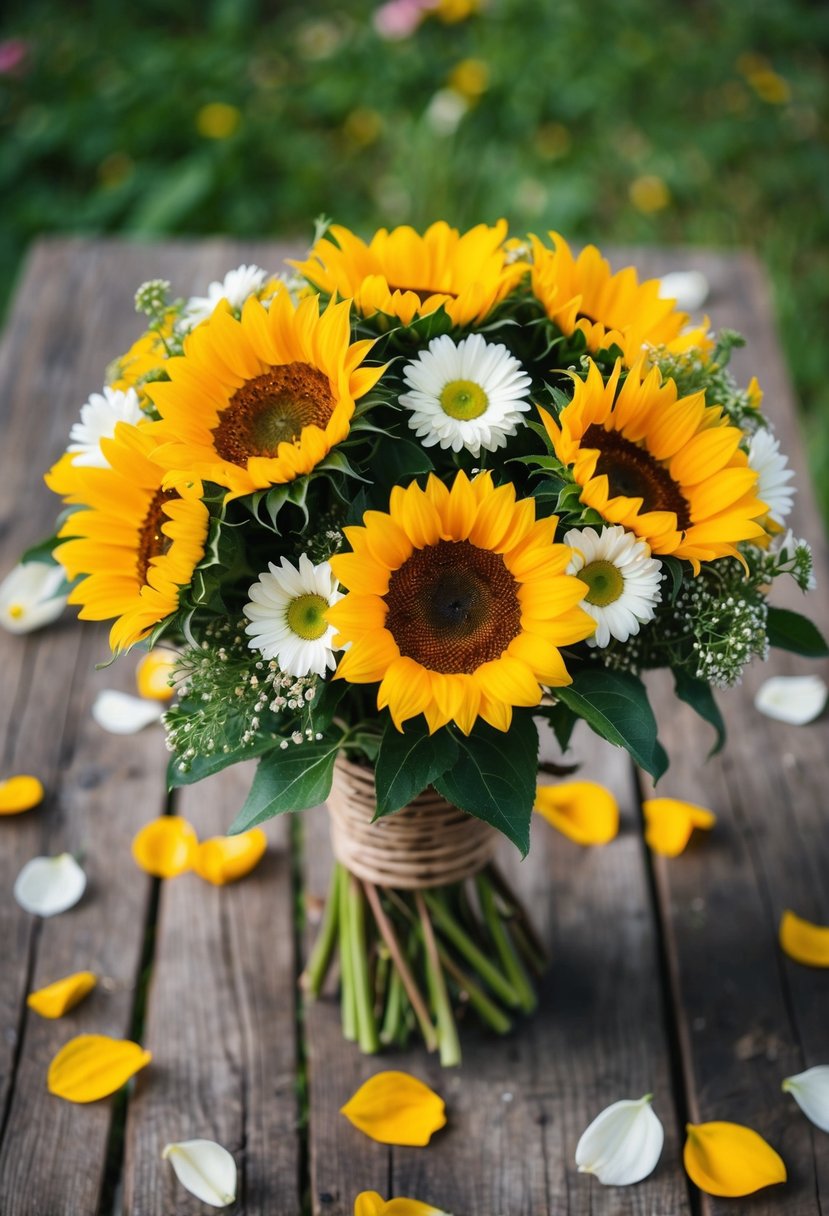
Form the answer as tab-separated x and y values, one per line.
615	705
401	461
289	779
494	777
790	631
408	761
699	696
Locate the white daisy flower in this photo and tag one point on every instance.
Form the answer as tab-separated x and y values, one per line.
235	287
287	616
772	467
467	395
622	577
99	418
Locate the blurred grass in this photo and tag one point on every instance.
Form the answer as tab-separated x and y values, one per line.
644	121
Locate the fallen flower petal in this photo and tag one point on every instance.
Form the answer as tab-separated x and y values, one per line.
49	885
730	1160
122	714
369	1203
166	847
20	794
29	596
205	1169
669	823
810	1090
395	1108
803	941
152	675
92	1066
584	811
623	1144
793	699
223	859
58	998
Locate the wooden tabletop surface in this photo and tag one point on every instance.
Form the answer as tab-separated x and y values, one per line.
666	975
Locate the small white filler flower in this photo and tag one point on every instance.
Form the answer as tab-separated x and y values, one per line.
623	1144
235	287
99	418
287	616
622	577
772	468
467	395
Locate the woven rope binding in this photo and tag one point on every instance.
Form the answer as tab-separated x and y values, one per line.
428	843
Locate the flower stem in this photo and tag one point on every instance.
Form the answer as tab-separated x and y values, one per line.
507	953
448	1041
535	950
402	967
316	969
366	1025
463	943
348	1006
394	1001
486	1009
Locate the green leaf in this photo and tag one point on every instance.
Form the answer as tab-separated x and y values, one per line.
288	779
206	766
615	705
42	552
790	631
561	719
699	696
401	460
675	574
409	761
494	777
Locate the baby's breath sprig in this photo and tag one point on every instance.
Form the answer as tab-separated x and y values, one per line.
694	371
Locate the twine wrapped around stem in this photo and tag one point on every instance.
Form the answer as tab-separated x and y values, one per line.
428	843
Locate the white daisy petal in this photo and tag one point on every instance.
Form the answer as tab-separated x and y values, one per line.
688	288
49	885
236	287
793	699
467	395
623	1144
286	616
29	596
624	580
774	474
205	1169
810	1090
99	418
122	714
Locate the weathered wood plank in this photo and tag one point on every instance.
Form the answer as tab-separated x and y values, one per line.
748	1016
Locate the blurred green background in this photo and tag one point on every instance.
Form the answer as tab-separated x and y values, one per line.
649	121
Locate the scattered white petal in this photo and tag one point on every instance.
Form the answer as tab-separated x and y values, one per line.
122	714
29	596
205	1169
623	1144
773	474
99	418
624	581
287	616
810	1090
49	885
793	699
689	288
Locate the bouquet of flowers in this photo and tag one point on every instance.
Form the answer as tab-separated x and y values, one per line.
393	507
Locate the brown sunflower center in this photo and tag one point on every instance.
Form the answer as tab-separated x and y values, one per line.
271	409
152	542
453	606
632	472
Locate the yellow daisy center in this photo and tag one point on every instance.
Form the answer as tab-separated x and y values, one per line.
306	616
463	399
151	540
271	409
453	606
605	582
632	472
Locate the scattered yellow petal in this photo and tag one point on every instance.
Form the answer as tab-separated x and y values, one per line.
56	999
669	823
369	1203
93	1066
584	811
152	675
225	858
804	941
395	1108
729	1159
166	847
19	794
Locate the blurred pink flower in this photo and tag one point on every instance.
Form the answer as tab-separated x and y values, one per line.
398	19
13	55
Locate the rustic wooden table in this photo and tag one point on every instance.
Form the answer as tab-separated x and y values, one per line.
666	975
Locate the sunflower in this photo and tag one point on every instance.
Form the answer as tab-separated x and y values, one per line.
260	401
667	468
406	275
458	604
583	294
136	543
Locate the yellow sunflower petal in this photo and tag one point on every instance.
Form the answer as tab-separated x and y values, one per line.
728	1159
804	941
396	1108
92	1066
153	674
584	811
223	859
58	998
669	823
166	847
20	794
